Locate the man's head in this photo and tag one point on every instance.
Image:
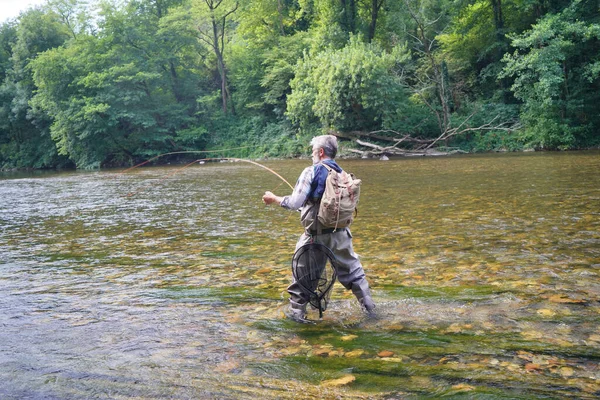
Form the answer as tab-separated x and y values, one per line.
324	146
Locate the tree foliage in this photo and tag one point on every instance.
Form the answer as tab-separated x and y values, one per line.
114	82
556	77
354	88
24	132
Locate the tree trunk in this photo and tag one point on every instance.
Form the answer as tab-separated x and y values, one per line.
375	7
216	39
498	19
349	15
280	14
175	82
220	63
565	94
159	11
501	40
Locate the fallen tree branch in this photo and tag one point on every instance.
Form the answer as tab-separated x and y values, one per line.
419	146
447	133
393	150
504	126
406	153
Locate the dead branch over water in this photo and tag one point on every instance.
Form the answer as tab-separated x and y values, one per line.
402	144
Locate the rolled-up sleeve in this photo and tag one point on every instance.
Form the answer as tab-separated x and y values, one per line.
301	190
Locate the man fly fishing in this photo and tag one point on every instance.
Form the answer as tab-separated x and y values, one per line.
331	232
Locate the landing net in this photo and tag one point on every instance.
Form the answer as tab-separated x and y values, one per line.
315	270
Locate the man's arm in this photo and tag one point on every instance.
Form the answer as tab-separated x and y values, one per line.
299	195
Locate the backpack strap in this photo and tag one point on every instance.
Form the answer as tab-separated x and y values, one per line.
329	168
329	171
318	228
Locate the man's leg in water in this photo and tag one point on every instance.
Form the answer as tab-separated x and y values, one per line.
350	270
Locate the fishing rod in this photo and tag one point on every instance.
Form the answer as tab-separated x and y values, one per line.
130	194
182	152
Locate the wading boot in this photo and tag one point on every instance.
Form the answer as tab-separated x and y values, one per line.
368	306
297	314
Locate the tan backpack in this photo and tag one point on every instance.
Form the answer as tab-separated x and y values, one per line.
340	198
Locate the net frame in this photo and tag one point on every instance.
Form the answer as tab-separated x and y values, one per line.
310	270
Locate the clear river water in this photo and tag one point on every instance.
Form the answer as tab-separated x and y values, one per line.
485	270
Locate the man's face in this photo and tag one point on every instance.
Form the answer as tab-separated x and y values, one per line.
316	156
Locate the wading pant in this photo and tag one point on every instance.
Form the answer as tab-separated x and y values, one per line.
350	271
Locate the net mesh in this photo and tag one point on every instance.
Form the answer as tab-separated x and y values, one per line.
314	269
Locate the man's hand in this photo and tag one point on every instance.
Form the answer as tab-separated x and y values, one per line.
270	198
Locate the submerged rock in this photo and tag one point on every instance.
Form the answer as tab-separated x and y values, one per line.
344	380
385	353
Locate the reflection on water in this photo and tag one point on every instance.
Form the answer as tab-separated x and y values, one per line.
485	270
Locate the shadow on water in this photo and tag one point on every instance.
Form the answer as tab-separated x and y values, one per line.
484	269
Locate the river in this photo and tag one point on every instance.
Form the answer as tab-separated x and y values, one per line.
164	282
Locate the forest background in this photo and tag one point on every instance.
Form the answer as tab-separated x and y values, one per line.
110	83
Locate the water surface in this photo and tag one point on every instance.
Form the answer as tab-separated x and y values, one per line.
484	269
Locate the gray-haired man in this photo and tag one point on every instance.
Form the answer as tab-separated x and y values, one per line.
307	195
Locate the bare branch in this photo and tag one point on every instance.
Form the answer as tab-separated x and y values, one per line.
205	38
426	145
234	9
447	133
431	23
414	37
431	44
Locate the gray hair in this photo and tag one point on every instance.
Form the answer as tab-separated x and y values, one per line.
326	142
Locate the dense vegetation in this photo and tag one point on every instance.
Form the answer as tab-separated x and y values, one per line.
114	82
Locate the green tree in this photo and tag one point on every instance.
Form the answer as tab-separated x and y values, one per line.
354	88
555	71
122	94
74	15
143	77
24	133
270	39
8	37
212	19
333	22
430	80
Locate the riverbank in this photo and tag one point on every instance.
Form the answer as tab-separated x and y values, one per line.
345	152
